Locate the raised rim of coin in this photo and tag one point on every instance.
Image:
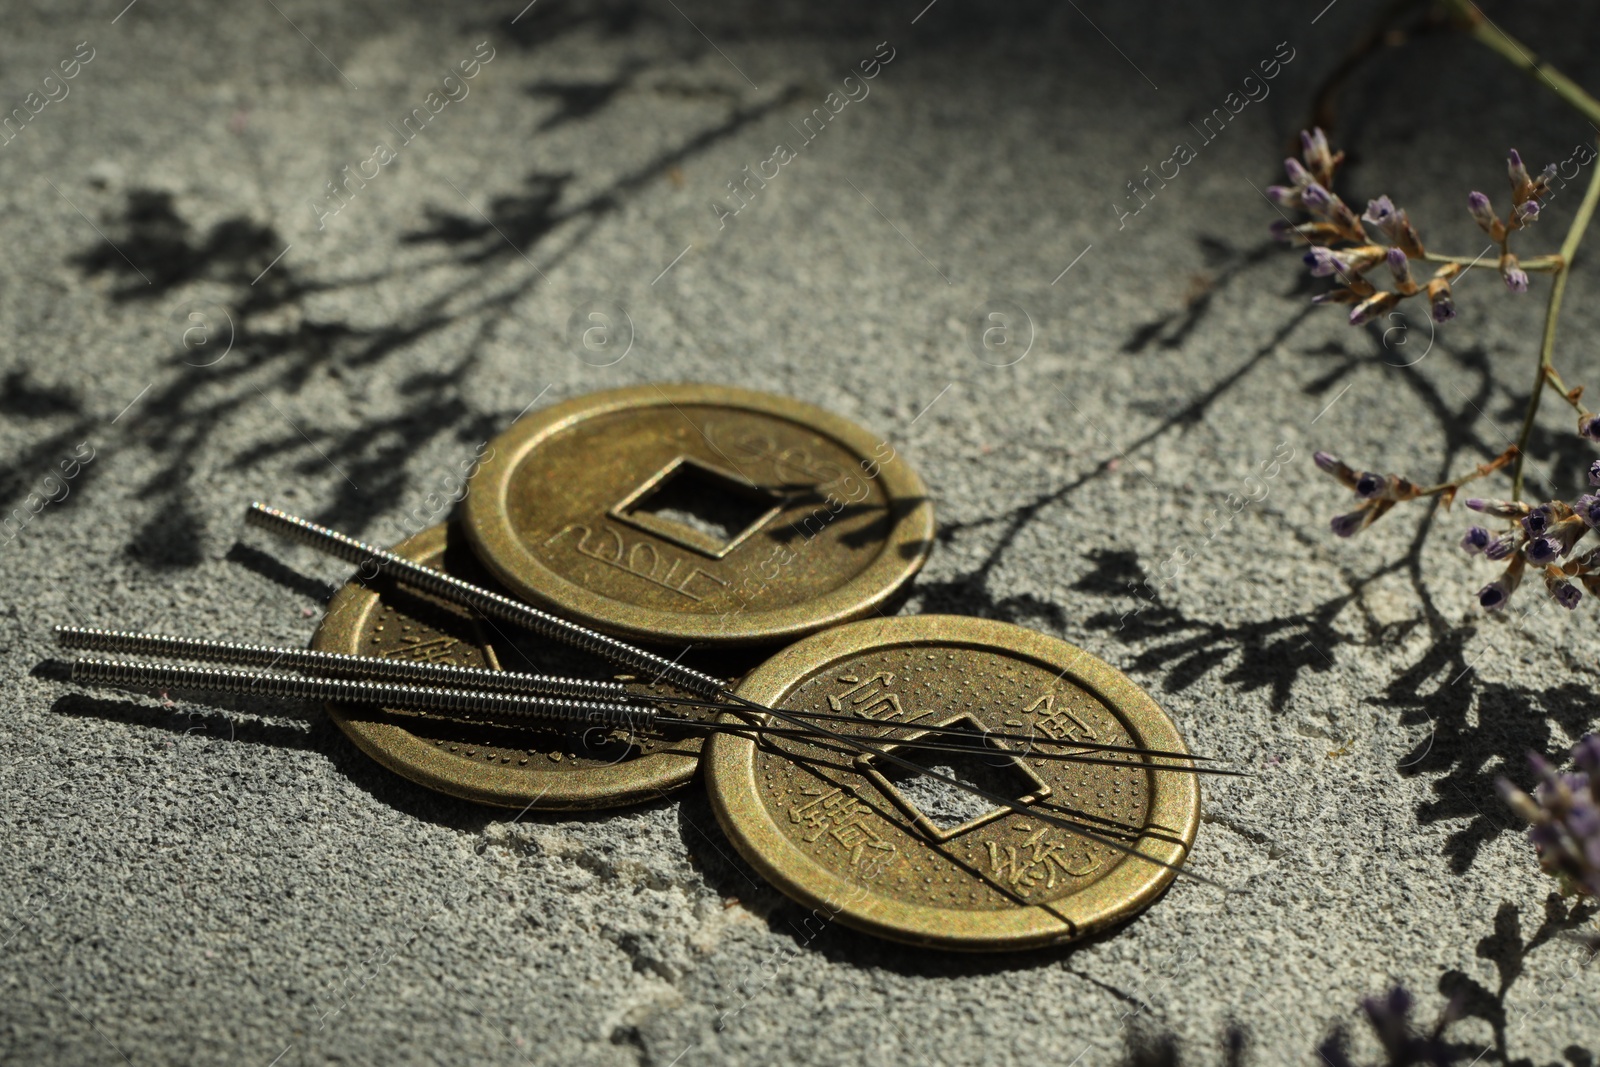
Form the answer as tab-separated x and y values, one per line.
901	555
1129	887
642	778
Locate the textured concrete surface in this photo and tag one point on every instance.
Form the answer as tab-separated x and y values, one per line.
232	882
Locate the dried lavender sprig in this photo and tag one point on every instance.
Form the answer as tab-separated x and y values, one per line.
1564	813
1390	1019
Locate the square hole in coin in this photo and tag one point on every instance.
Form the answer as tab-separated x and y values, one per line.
941	809
699	507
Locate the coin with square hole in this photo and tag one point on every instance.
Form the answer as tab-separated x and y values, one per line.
699	514
508	765
883	848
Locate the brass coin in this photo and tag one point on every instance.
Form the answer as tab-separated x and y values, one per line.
504	765
699	514
906	857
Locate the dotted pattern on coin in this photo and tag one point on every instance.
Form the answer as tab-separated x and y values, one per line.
697	513
509	766
907	857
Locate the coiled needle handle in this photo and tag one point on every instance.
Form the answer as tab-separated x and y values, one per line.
472	596
333	664
549	711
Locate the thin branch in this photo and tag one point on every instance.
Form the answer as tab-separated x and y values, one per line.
1569	248
1537	265
1521	56
1448	489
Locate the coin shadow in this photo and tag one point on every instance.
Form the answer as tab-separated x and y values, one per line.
251	721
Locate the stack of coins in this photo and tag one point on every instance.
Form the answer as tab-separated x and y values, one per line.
941	780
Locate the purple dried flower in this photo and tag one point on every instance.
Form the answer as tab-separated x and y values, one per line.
1564	813
1390	220
1370	485
1325	263
1317	199
1443	306
1349	524
1586	754
1327	461
1389	1016
1500	548
1587	508
1284	195
1516	170
1500	509
1482	213
1567	595
1542	550
1516	278
1282	229
1296	173
1538	520
1528	212
1589	427
1475	540
1372	307
1400	267
1557	541
1495	595
1380	212
1314	146
1594	473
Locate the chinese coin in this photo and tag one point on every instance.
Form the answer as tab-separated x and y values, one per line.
510	765
897	854
698	514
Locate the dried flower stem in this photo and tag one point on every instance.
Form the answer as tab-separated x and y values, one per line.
1569	395
1522	57
1448	489
1546	374
1536	265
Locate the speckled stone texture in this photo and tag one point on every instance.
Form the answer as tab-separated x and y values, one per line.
232	882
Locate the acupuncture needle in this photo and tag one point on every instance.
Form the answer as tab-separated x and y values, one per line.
448	675
962	750
554	711
333	664
545	711
556	628
993	735
410	672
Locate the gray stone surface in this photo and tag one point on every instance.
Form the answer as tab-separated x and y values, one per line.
233	882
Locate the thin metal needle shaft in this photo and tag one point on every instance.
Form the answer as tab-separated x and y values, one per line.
921	745
480	599
448	675
469	595
993	735
333	664
993	798
422	698
548	711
